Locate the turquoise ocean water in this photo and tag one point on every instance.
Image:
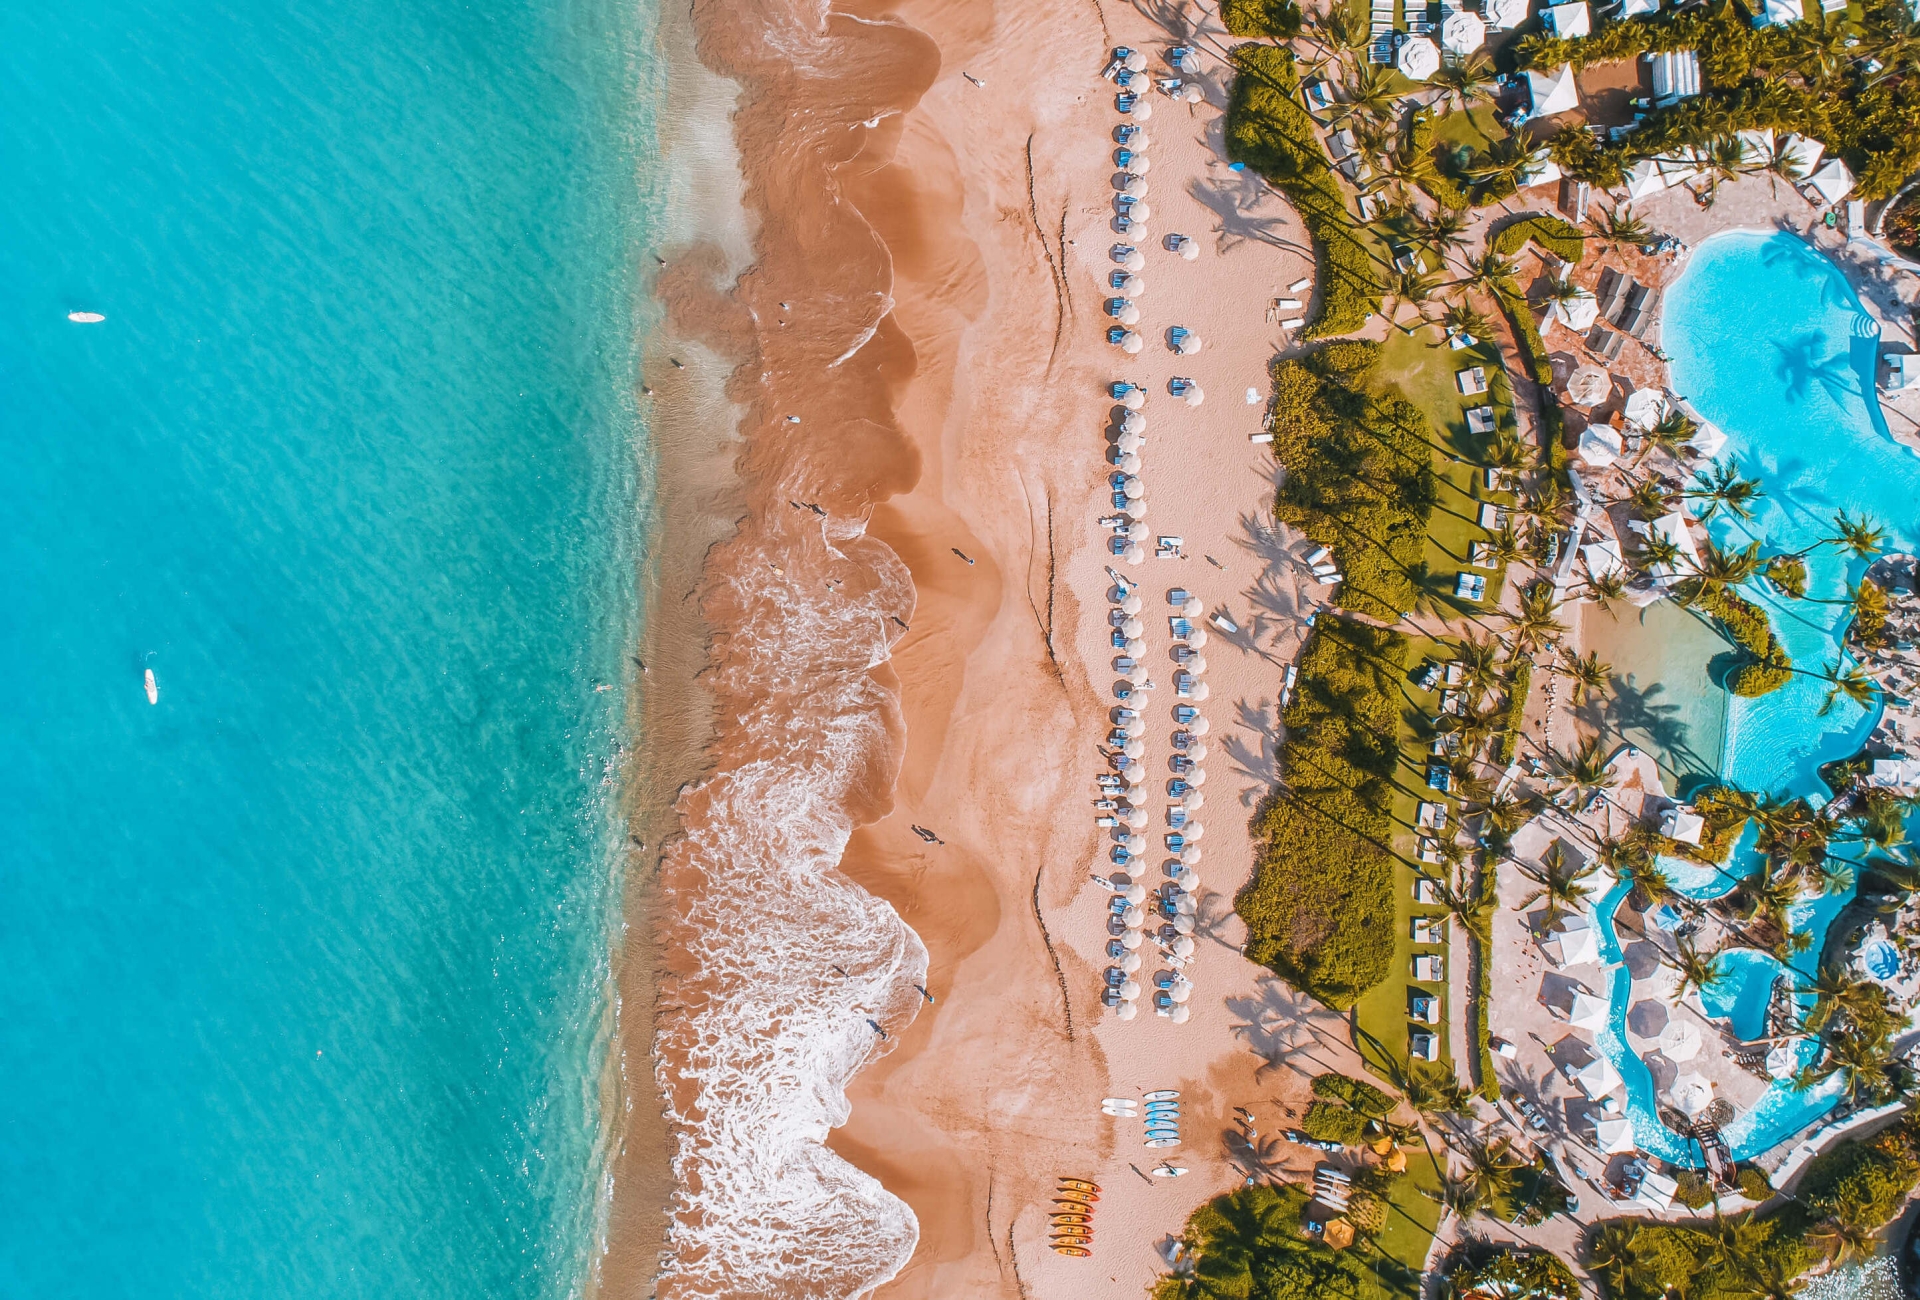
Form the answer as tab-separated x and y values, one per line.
304	986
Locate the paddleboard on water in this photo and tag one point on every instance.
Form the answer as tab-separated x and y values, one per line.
1164	1094
153	688
85	317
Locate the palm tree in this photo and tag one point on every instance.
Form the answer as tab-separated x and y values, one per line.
1720	570
1724	159
1669	434
1650	497
1619	228
1535	621
1838	994
1441	232
1861	537
1493	1171
1841	1240
1465	82
1660	550
1506	813
1503	164
1783	164
1615	1255
1464	318
1698	970
1863	1064
1472	905
1722	488
1479	662
1851	681
1605	588
1558	882
1584	771
1410	288
1369	92
1587	674
1492	273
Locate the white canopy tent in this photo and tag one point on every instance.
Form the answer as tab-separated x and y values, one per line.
1614	1137
1576	313
1708	440
1570	20
1554	92
1418	59
1756	145
1645	407
1587	385
1589	1013
1832	182
1634	8
1691	1093
1576	941
1804	152
1603	557
1680	1041
1597	1078
1656	1191
1600	445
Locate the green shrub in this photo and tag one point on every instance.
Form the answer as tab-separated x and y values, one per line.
1857	1182
1367	1212
1766	666
1279	19
1585	159
1532	1274
1319	907
1561	238
1363	1097
1693	1190
1328	1121
1271	133
1359	472
1753	1183
1250	1243
1516	713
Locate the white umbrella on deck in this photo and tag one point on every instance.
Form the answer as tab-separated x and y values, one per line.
1680	1041
1126	1011
1139	165
1180	1015
1189	345
1128	462
1129	315
1199	726
1588	385
1614	1137
1645	406
1136	61
1463	33
1691	1093
1418	59
1197	637
1191	607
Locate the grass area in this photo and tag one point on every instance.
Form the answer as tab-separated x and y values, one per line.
1476	129
1413	1216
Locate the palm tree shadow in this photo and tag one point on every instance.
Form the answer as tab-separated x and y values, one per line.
1236	221
1258	760
1801	364
1283	1025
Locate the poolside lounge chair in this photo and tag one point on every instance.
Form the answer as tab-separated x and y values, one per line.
1429	966
1472	381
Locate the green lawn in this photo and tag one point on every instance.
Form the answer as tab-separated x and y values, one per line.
1476	129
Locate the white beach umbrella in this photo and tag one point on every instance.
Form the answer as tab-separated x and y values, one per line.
1645	407
1183	925
1187	878
1126	1011
1133	487
1680	1041
1133	424
1136	844
1135	554
1136	261
1130	963
1194	831
1197	638
1135	817
1132	603
1783	1061
1143	111
1136	647
1191	855
1128	443
1129	463
1191	607
1418	59
1133	286
1197	800
1196	664
1197	750
1183	947
1129	990
1140	676
1191	93
1614	1137
1141	139
1140	212
1589	1013
1189	345
1131	343
1132	626
1180	1015
1130	940
1180	992
1193	396
1139	165
1129	315
1189	249
1185	904
1199	726
1463	33
1136	61
1136	532
1692	1093
1136	893
1199	692
1134	917
1588	385
1134	400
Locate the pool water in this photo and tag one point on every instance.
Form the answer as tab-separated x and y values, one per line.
1745	990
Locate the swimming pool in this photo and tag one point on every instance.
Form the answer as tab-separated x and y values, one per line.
1745	990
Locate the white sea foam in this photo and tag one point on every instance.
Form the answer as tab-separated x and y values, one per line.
767	1033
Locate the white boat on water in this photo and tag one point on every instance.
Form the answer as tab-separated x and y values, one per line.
85	317
153	688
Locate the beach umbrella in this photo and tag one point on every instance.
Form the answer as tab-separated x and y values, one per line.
1130	940
1135	817
1140	140
1183	925
1139	165
1197	750
1142	111
1136	261
1588	385
1463	33
1194	831
1137	510
1191	607
1183	947
1136	61
1133	487
1691	1093
1418	59
1197	800
1576	313
1132	626
1140	212
1136	844
1135	554
1589	1013
1198	776
1131	343
1129	315
1136	893
1597	1078
1132	603
1191	855
1180	992
1199	726
1134	917
1126	1011
1191	93
1645	406
1199	692
1133	286
1129	990
1129	462
1185	904
1130	963
1139	677
1193	396
1187	878
1136	648
1136	532
1189	249
1197	638
1180	1015
1196	664
1680	1041
1614	1137
1189	345
1134	400
1133	423
1783	1062
1128	443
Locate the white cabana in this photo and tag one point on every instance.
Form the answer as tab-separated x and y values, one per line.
1600	445
1603	557
1597	1078
1680	1041
1832	182
1576	313
1708	440
1462	32
1503	14
1570	20
1589	1013
1756	145
1645	407
1614	1137
1691	1093
1803	152
1635	8
1676	75
1554	92
1588	385
1419	58
1576	941
1776	12
1656	1191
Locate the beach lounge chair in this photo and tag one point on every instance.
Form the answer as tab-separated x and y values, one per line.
1480	419
1427	891
1429	966
1423	1007
1472	380
1431	816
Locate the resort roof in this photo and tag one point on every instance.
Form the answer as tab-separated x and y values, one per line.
1570	20
1554	92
